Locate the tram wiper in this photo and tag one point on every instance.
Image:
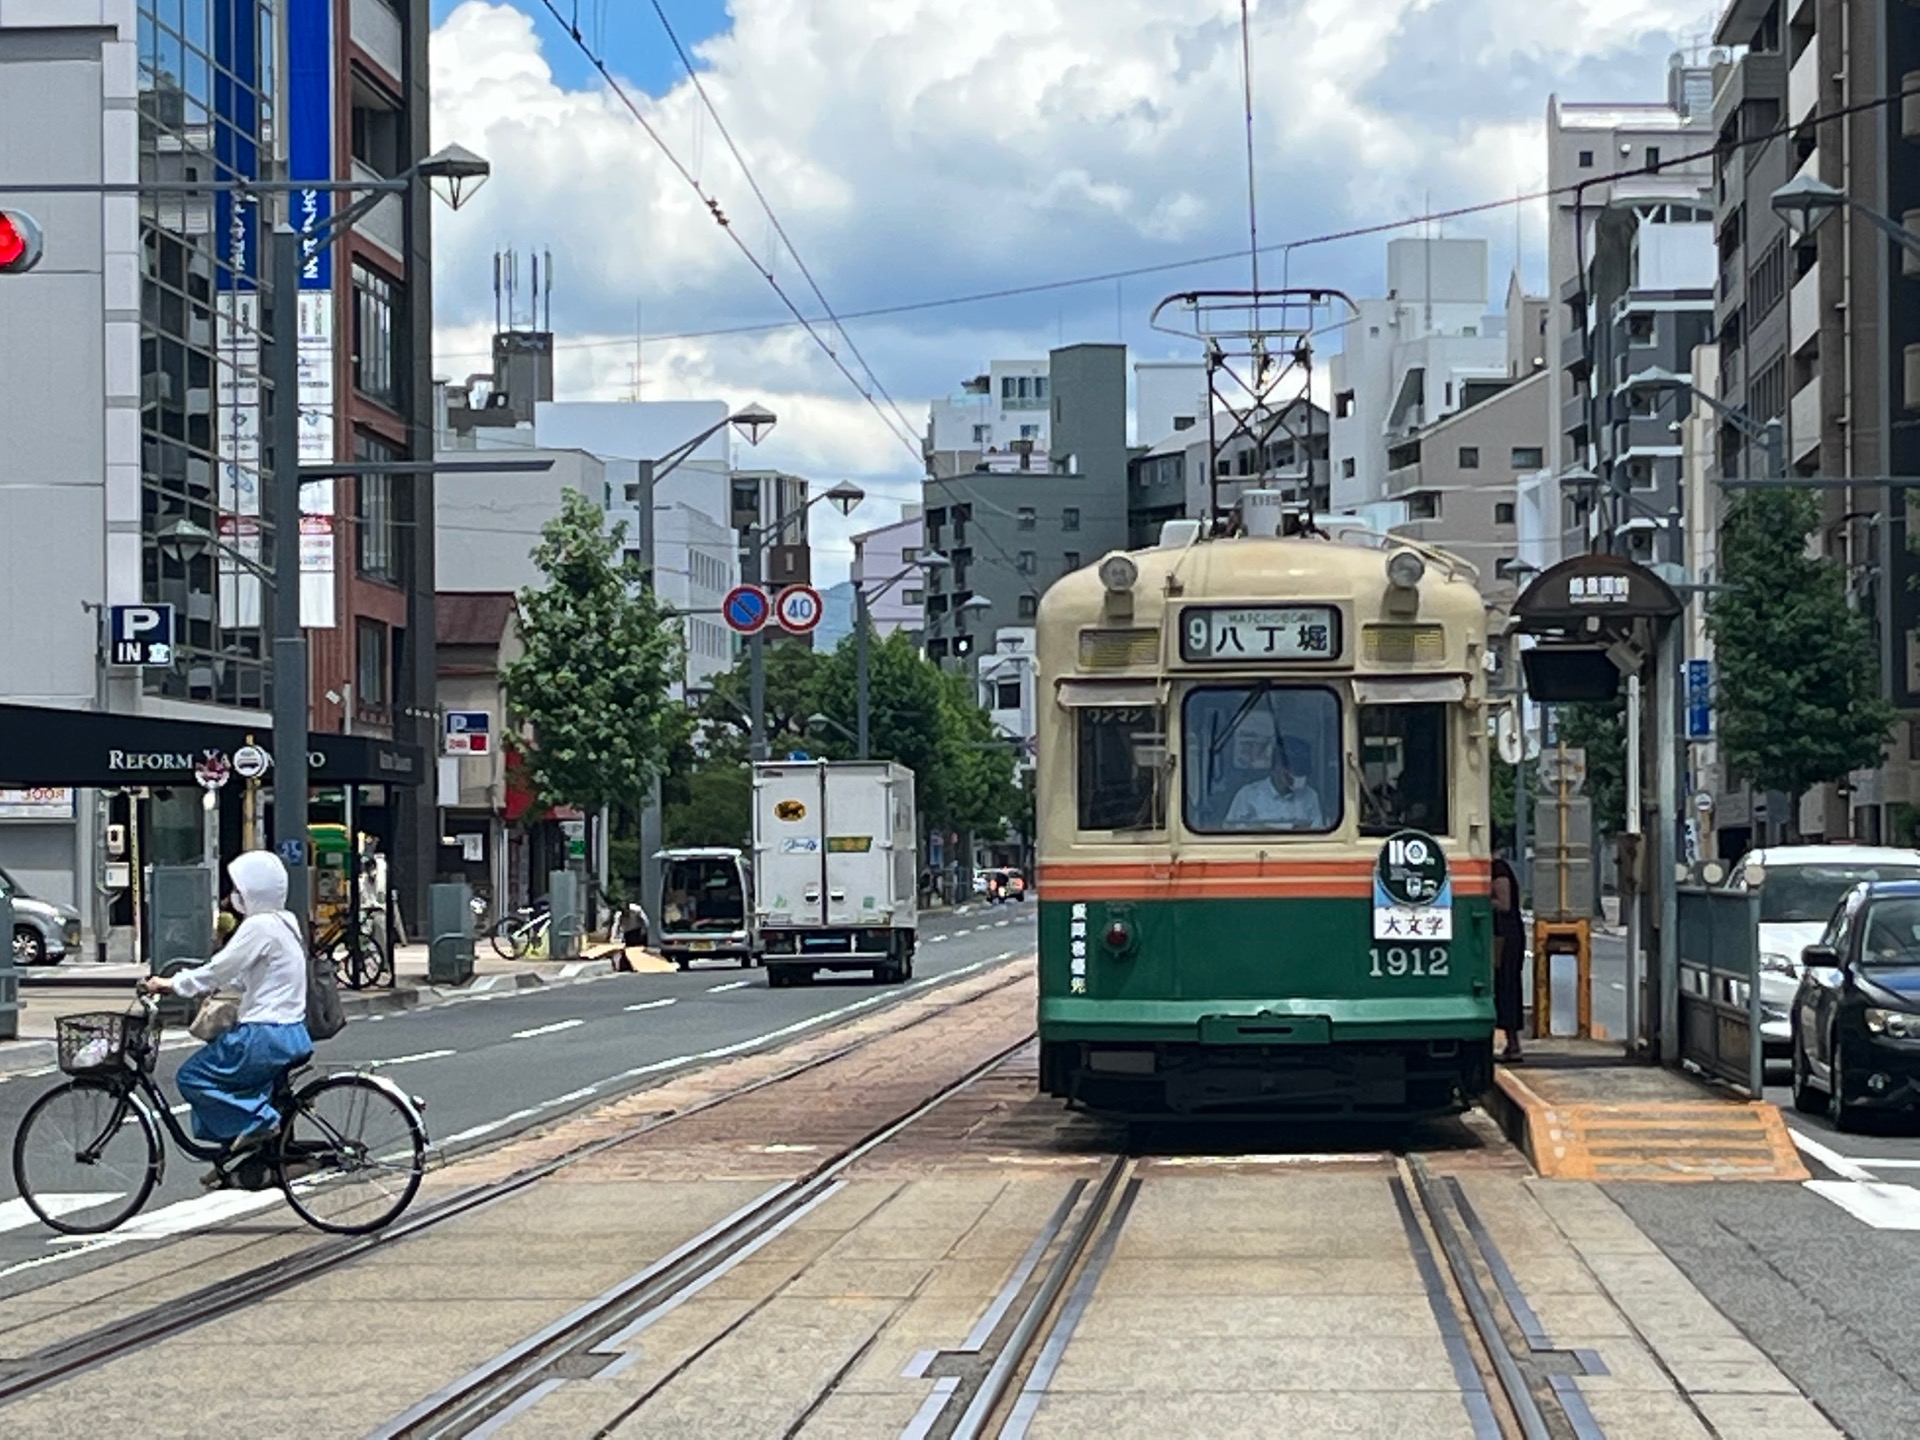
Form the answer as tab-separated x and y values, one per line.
1253	697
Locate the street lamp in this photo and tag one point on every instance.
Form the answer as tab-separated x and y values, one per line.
182	540
845	496
1765	434
817	721
1806	200
862	623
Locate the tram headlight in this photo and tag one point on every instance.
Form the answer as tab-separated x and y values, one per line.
1405	569
1117	937
1118	572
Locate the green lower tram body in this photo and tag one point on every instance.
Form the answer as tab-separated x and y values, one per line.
1268	1006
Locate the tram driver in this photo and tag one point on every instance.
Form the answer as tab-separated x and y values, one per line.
1281	799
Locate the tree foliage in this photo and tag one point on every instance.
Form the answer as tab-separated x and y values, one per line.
1798	689
599	655
1598	727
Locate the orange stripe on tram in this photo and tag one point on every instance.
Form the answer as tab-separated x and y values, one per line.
1234	879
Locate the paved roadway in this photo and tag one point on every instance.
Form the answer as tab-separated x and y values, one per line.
493	1065
1609	988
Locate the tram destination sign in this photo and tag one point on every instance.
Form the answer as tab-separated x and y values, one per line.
1224	634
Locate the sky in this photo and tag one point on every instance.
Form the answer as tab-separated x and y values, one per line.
919	150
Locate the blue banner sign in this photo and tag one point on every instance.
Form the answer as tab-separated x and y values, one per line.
1699	700
310	131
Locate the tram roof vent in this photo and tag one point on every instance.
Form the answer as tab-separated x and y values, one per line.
1178	534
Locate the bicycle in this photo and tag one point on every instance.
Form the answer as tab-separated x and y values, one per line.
359	954
522	934
349	1153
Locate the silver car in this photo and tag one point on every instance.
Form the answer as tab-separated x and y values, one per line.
43	933
1799	887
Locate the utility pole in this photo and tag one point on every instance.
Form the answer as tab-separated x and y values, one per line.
289	640
862	700
755	536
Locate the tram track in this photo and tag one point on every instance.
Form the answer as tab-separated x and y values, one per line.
64	1359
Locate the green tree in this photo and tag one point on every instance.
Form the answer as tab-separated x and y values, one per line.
599	656
792	685
1798	687
1598	727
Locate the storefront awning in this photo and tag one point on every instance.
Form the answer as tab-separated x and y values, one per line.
40	746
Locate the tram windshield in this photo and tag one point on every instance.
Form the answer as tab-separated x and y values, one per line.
1403	769
1261	758
1122	750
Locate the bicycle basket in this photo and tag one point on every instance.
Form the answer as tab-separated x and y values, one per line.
100	1042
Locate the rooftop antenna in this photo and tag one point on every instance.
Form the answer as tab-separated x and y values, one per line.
533	310
546	323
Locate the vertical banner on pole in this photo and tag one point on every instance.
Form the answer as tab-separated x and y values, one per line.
237	317
310	157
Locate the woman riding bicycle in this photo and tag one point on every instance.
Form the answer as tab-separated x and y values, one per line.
228	1083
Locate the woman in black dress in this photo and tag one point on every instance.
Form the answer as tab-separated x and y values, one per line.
1509	957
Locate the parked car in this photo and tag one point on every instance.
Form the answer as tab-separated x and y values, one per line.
1799	887
1855	1033
44	933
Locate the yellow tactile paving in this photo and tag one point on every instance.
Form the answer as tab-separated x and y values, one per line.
1661	1140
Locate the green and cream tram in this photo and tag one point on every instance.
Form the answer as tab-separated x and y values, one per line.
1264	830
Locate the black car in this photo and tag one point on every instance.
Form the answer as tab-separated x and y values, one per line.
1856	1015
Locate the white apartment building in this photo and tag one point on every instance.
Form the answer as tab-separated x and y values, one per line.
1008	683
695	565
1407	358
882	554
1010	403
1169	398
486	526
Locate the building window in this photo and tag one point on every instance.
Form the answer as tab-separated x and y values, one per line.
982	434
1029	432
913	596
1028	562
1026	517
1006	695
1069	562
1425	505
370	665
1528	457
1469	457
1346	468
1503	512
376	130
909	554
374	372
1653	157
1586	159
1029	606
1070	518
1343	402
373	519
1640	329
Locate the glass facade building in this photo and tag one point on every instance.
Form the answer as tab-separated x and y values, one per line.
207	88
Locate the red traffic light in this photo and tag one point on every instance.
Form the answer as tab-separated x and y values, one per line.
20	243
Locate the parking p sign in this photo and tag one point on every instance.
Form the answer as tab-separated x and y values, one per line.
140	635
467	732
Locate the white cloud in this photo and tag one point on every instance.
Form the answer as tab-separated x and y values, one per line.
918	148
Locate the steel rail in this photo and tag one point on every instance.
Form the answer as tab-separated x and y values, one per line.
509	1378
170	1318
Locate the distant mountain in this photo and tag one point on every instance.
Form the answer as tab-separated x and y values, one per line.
836	623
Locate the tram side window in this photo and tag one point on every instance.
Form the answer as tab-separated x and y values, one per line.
1121	754
1403	768
1262	758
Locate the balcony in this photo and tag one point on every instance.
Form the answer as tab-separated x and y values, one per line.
1803	84
1804	421
376	30
1573	351
1803	310
1404	479
385	225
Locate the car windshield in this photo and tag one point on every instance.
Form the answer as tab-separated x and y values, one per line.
1804	893
10	886
703	894
1893	933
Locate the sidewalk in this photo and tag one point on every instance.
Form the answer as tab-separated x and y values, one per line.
71	988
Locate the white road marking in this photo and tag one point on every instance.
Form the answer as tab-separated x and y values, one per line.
1001	924
1845	1168
176	1219
936	939
411	1059
1882	1205
584	1092
554	1028
492	1125
15	1215
963	930
730	985
650	1004
1873	1164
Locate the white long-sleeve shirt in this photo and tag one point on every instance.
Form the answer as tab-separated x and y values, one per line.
1259	805
265	962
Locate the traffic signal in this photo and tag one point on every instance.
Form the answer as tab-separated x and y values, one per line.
20	242
962	645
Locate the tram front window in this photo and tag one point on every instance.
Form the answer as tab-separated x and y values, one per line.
1121	750
1261	759
1403	768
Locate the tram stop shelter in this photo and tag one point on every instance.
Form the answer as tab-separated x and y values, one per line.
1599	623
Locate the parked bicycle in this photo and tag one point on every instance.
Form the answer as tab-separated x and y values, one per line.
358	951
349	1154
525	933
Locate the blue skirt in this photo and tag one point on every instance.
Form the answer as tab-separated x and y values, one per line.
228	1083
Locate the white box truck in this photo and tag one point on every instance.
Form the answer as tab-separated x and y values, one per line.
836	868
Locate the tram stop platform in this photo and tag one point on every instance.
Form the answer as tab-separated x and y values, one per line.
1583	1110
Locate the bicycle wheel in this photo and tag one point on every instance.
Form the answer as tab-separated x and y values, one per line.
86	1156
509	938
351	1155
347	964
376	964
